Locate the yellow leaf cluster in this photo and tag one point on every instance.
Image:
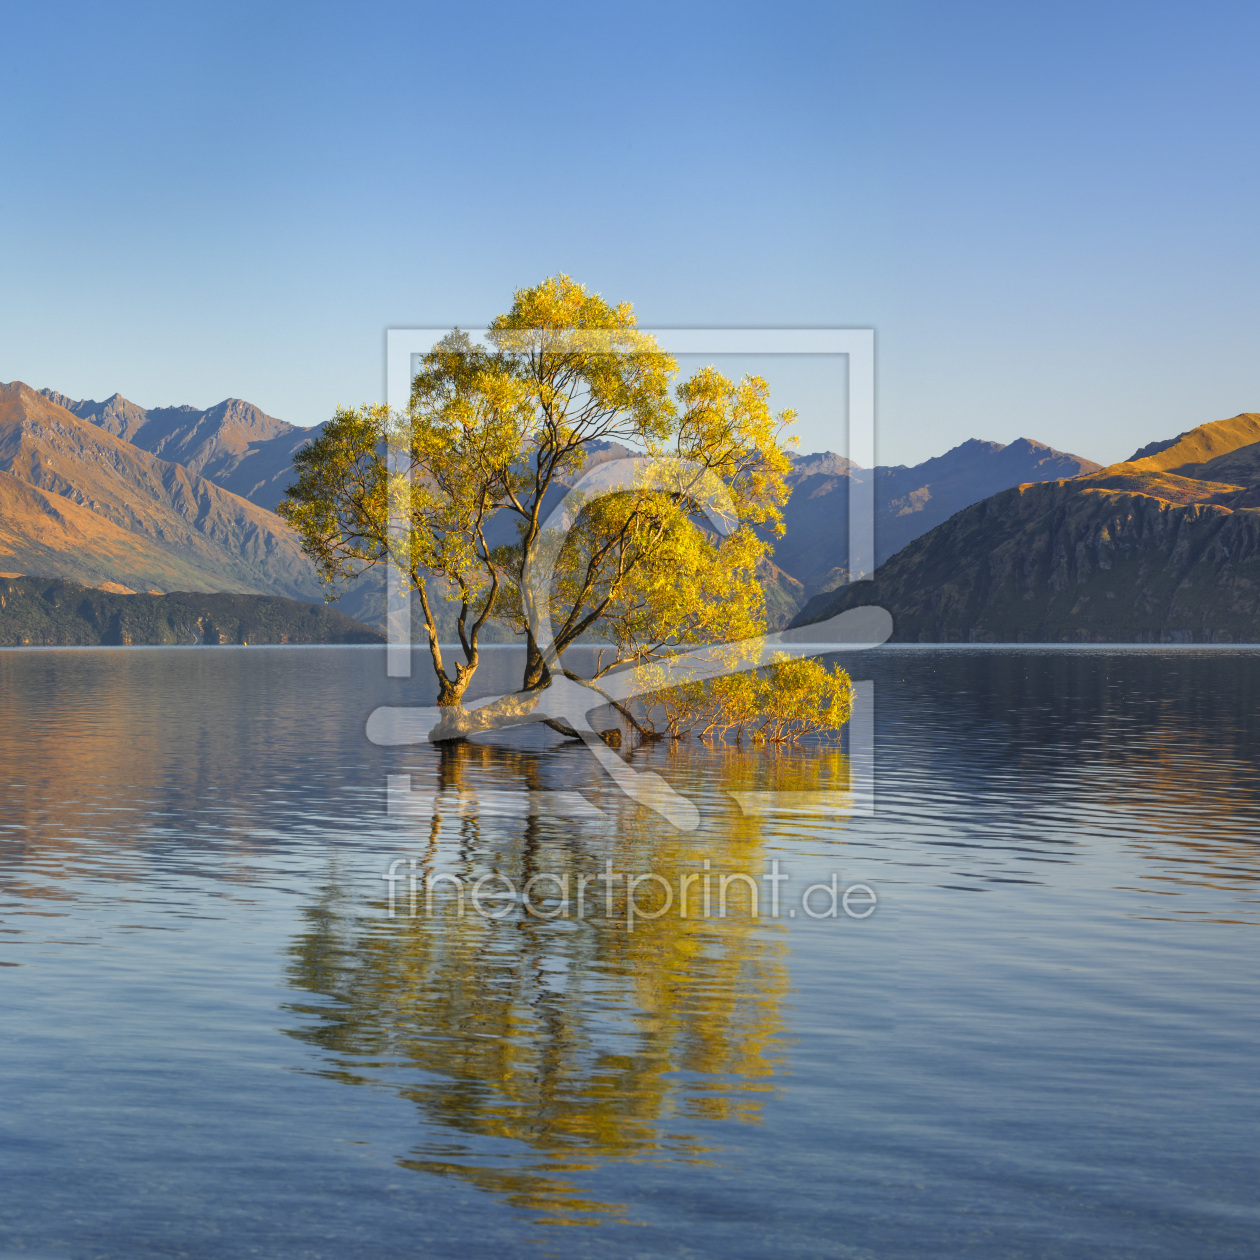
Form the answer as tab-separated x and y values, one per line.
490	437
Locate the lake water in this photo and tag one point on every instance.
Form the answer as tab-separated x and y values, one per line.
1042	1042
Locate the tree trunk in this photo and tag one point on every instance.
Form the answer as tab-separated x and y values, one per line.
536	672
451	690
450	693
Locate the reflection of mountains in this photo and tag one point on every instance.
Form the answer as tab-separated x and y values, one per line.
119	757
540	1049
1156	749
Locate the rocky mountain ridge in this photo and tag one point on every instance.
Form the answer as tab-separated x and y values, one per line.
234	444
909	500
1164	547
181	525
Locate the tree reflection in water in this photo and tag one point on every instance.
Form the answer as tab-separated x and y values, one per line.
541	1048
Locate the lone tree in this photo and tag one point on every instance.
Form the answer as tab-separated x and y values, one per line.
494	437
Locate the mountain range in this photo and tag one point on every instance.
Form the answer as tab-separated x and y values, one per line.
1161	547
233	444
81	503
909	501
181	498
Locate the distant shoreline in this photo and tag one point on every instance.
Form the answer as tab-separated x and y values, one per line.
41	612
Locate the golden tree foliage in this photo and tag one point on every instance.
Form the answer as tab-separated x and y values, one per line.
792	699
495	436
637	570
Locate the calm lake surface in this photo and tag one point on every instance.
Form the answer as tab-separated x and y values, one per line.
215	1041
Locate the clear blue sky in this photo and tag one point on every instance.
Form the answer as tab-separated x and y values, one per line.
1048	212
